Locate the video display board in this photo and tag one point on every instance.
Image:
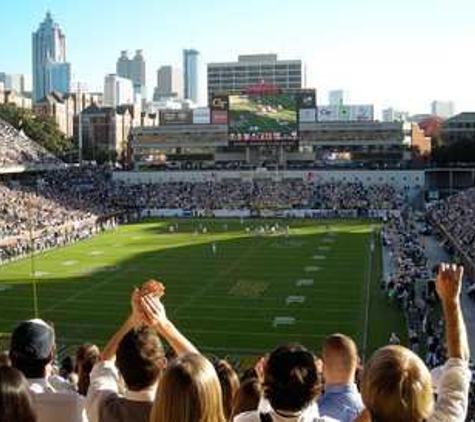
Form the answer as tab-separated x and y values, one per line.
263	118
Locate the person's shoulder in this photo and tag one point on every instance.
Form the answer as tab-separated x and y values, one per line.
250	416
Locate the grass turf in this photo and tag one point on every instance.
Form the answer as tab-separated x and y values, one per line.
225	302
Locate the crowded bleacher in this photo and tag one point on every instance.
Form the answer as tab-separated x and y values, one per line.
457	216
16	149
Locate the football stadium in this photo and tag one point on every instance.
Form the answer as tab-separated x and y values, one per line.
261	257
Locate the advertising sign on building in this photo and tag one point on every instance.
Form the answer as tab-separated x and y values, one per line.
307	115
220	102
175	117
362	113
306	99
327	113
219	117
201	116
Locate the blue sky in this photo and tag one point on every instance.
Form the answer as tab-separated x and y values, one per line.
401	53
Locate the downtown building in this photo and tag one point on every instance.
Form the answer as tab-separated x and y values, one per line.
135	70
444	109
190	75
169	83
118	91
51	71
255	69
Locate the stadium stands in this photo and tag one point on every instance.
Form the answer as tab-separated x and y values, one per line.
16	149
457	216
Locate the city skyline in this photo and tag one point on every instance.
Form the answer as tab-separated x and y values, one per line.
402	55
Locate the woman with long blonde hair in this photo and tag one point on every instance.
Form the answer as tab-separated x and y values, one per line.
188	391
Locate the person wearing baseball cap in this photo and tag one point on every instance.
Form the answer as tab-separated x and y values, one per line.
32	349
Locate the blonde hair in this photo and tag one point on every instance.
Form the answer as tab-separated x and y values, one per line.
397	386
188	391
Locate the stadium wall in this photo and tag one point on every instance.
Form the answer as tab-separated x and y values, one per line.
409	179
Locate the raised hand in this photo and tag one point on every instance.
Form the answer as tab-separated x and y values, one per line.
449	282
153	310
137	316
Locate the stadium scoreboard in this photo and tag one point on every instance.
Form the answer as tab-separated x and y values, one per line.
264	117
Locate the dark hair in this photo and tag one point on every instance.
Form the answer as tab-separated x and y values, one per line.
247	397
229	382
138	356
15	399
291	381
67	366
31	368
87	356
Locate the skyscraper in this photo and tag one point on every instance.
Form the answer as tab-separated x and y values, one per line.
135	70
444	109
117	91
169	83
190	75
51	72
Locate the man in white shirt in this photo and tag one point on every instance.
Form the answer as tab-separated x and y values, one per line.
31	351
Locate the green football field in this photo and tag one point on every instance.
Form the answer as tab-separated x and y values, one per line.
255	292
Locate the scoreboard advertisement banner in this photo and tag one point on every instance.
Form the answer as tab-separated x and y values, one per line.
345	113
201	116
307	99
175	117
307	115
263	119
327	113
362	113
219	117
220	102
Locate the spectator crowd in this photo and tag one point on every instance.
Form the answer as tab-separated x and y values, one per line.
259	194
16	149
61	207
457	216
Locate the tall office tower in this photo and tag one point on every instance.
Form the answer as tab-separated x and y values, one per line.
336	97
190	75
253	69
51	72
14	82
135	70
444	109
169	83
118	91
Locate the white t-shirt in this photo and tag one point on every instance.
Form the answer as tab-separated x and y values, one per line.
309	414
52	405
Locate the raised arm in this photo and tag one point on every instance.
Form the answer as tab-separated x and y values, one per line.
449	287
154	315
454	383
134	319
